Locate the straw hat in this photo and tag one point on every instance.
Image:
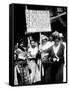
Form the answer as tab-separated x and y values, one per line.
56	33
61	35
43	37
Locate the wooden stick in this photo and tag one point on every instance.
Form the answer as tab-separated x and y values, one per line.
55	17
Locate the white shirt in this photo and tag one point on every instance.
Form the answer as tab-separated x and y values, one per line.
33	51
55	49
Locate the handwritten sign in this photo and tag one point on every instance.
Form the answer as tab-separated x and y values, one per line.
38	21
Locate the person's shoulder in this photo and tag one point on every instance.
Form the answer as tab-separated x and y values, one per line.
62	44
50	48
36	48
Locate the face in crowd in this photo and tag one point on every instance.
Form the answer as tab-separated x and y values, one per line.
50	38
56	41
44	41
21	44
33	44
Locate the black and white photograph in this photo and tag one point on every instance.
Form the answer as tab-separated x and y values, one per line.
37	44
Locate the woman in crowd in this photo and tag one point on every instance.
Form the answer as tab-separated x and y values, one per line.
21	70
56	56
32	62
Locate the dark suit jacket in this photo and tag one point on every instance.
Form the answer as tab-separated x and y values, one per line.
60	52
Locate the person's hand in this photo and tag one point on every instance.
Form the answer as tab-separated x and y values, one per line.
57	59
54	59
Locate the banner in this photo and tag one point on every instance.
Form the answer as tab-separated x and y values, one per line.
38	21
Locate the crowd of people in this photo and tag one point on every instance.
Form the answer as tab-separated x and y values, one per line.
40	63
